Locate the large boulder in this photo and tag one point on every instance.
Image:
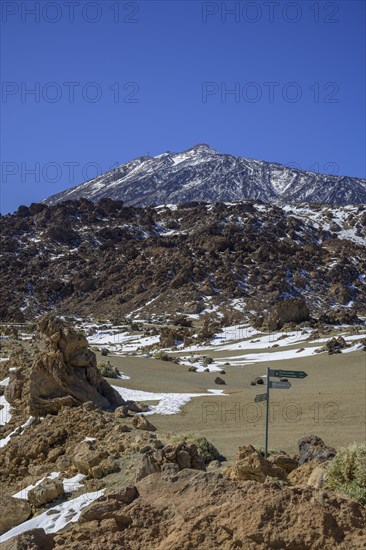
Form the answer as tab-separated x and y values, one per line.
313	447
47	491
13	511
64	372
111	506
343	316
140	422
173	457
293	310
251	465
334	345
87	457
35	539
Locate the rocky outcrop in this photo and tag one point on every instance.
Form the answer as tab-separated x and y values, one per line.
90	459
334	345
313	447
289	311
59	371
64	372
57	443
173	457
111	507
251	465
12	512
140	422
170	337
339	317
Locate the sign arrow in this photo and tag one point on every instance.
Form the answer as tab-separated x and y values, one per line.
287	373
279	385
260	397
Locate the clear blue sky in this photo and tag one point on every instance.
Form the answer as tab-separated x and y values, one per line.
164	53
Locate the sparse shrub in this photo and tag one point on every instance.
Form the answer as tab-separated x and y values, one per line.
347	472
205	448
107	370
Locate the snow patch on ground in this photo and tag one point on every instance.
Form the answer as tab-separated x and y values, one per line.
169	403
5	440
5	414
237	337
356	347
55	518
23	493
70	484
269	357
281	355
123	341
123	376
197	362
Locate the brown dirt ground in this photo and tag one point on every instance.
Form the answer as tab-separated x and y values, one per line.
330	402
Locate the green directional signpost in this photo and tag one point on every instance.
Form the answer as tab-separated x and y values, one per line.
287	373
278	385
260	397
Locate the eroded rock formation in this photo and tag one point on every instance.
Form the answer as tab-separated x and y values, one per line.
64	372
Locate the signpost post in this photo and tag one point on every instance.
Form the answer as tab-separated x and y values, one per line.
267	416
278	385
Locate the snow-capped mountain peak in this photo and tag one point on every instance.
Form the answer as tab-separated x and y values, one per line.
201	173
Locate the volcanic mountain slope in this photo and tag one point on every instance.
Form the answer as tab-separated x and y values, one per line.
203	174
108	260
